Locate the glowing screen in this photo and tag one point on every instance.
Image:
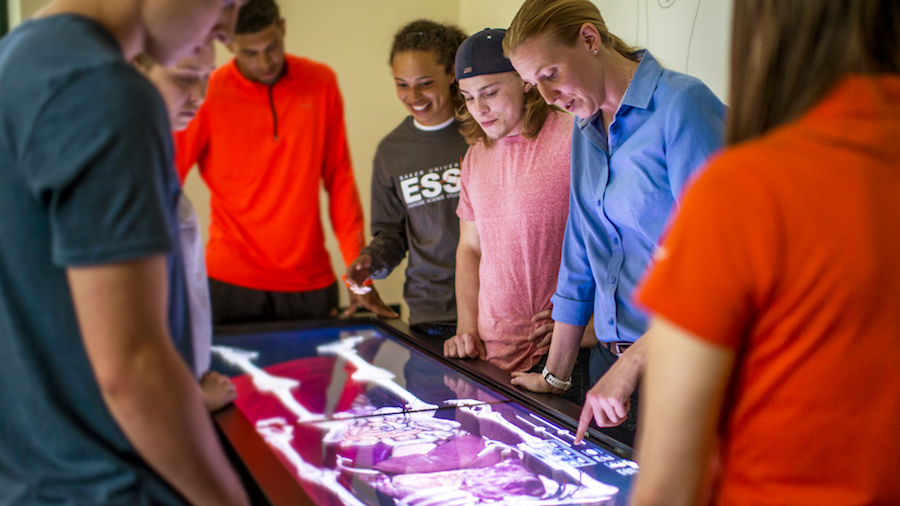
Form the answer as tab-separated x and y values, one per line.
360	419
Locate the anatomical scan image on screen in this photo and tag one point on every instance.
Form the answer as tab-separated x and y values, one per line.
351	434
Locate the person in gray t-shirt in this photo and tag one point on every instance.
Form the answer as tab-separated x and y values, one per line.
415	184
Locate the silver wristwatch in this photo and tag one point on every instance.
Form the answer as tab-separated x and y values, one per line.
555	382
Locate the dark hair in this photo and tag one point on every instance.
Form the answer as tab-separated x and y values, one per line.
536	112
425	35
786	55
442	40
257	15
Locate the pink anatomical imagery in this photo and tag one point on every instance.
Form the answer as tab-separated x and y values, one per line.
359	418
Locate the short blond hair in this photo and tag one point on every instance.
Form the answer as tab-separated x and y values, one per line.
562	21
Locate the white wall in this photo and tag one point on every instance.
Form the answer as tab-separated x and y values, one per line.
14	12
690	36
27	8
476	15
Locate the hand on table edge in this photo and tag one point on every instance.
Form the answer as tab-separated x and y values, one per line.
371	301
533	382
218	390
465	345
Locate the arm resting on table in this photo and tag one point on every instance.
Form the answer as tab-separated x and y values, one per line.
560	359
467	343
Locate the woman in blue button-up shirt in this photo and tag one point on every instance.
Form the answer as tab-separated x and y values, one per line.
641	132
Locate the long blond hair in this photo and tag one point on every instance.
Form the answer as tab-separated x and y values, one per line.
562	21
536	112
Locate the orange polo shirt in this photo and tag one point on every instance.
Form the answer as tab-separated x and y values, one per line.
264	152
787	250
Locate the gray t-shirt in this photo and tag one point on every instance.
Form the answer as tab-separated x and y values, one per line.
85	179
415	190
197	284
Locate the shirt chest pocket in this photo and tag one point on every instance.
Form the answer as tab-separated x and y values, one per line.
645	212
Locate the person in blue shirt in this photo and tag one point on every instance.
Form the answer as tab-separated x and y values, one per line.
641	132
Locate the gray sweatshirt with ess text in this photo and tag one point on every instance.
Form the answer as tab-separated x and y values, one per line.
415	190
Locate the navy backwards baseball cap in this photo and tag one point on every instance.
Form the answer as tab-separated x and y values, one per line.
482	54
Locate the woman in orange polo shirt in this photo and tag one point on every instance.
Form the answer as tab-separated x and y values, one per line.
777	292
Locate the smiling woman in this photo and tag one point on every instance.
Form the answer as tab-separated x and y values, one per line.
415	182
423	87
422	59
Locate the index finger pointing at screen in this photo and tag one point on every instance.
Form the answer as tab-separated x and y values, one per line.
583	422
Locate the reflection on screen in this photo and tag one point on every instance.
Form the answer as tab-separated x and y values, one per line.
377	442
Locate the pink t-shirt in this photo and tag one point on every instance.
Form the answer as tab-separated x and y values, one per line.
517	193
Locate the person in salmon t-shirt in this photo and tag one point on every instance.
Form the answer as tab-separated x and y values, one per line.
777	293
519	155
269	135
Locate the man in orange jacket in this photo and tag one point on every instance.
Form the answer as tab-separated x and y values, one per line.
271	129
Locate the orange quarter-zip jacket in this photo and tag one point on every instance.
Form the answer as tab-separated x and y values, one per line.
264	151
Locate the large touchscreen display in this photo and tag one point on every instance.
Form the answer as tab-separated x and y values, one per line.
358	418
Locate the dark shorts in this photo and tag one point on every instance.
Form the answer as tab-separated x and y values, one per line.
580	376
236	304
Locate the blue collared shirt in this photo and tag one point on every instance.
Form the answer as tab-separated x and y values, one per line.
624	188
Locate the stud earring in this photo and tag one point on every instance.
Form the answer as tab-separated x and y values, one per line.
595	51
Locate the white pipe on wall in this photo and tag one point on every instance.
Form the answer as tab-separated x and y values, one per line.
14	10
